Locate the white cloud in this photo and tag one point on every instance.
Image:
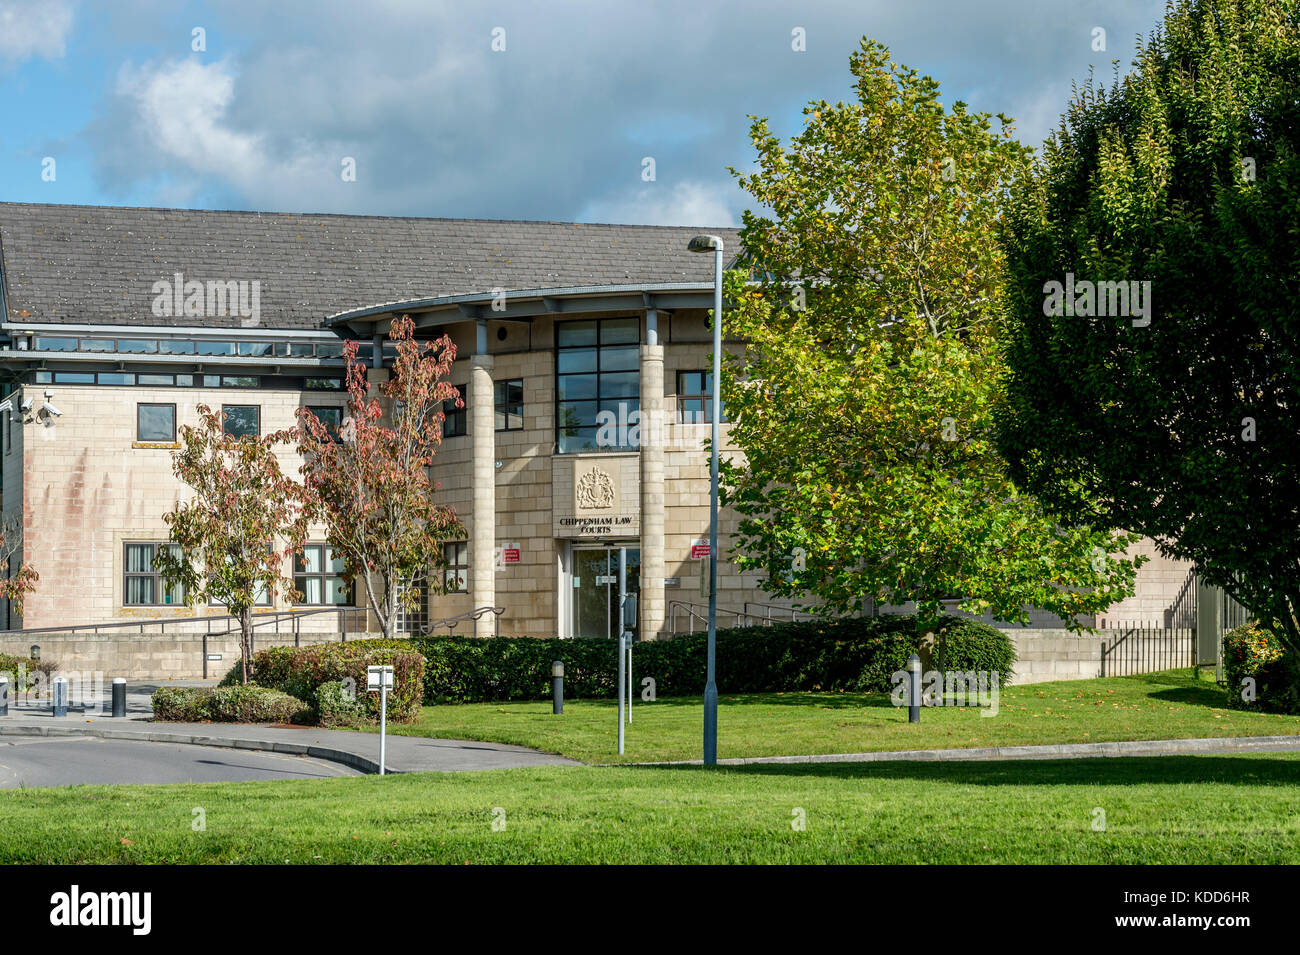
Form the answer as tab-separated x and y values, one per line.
34	28
686	203
181	111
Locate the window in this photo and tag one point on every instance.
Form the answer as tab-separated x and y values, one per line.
255	349
455	422
317	575
509	401
9	431
695	397
331	418
155	422
455	576
261	593
116	378
242	421
74	377
138	346
142	585
176	347
154	380
322	384
98	344
413	622
216	348
598	383
54	344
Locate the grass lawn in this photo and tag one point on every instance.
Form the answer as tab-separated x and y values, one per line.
1199	809
1170	705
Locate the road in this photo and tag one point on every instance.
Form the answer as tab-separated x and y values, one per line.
73	760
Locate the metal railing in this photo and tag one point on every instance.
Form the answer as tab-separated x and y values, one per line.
228	623
450	623
700	612
1147	649
768	608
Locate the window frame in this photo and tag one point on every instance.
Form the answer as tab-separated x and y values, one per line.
323	575
498	404
155	404
450	413
256	434
337	436
453	566
160	587
706	396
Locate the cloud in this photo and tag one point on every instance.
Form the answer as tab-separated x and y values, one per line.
557	125
34	28
686	203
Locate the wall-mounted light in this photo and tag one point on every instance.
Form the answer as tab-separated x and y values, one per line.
36	652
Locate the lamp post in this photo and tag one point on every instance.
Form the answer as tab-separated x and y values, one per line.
713	243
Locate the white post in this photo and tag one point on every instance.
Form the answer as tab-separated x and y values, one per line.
383	718
622	574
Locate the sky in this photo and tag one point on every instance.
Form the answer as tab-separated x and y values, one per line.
536	109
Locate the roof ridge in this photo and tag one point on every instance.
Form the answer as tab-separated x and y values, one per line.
348	215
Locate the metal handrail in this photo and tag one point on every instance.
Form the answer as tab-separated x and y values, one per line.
260	619
702	612
452	622
770	607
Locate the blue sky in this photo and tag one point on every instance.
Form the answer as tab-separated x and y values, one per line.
555	126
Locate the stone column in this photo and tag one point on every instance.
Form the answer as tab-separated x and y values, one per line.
653	437
482	538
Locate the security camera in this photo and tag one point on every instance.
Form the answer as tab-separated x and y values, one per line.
50	409
27	404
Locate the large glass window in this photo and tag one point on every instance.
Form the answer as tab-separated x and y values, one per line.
318	576
331	417
598	383
142	585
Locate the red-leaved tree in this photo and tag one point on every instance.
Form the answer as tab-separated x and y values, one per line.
370	482
226	533
15	582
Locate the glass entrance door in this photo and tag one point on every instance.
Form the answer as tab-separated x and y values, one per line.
595	590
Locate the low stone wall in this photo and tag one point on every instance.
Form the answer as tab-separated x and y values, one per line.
1045	655
153	656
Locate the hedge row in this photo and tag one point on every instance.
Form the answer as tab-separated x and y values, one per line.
227	704
1254	651
859	654
302	672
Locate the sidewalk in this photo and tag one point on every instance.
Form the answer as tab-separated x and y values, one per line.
405	754
1143	747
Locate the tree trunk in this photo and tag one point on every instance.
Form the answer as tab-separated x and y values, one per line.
245	640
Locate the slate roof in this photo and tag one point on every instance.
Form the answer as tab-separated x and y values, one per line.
97	265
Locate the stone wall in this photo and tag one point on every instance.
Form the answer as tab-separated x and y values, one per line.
1046	655
152	656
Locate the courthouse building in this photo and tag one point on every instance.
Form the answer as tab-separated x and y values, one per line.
119	322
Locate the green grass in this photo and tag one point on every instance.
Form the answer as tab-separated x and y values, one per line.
1202	809
1170	705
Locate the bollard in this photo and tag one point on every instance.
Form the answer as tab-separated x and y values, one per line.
4	696
557	687
59	696
913	689
119	697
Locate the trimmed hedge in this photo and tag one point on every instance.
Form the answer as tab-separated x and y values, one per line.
227	704
13	665
1254	651
858	654
301	671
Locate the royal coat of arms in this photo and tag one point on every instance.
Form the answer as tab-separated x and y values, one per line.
595	490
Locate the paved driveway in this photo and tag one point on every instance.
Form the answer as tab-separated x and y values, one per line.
70	760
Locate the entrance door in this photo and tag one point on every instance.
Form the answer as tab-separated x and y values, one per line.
595	590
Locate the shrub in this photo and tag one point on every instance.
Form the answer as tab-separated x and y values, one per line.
226	704
300	672
1254	651
336	706
181	704
858	654
13	665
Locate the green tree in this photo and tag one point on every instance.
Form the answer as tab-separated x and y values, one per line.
1178	421
863	402
242	507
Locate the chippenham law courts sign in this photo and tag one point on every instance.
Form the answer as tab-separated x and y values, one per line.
603	501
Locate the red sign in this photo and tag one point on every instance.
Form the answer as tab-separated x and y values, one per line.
510	554
699	550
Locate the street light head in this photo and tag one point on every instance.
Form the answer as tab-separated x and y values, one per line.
706	243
